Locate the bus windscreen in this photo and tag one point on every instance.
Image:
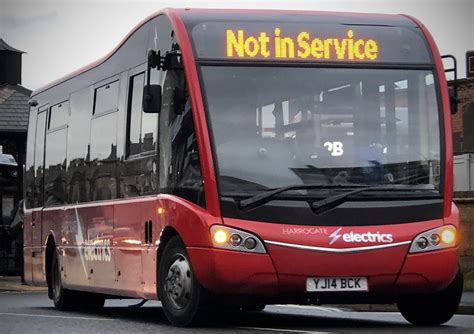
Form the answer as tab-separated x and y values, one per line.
309	42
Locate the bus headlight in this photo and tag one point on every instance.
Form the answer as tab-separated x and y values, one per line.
234	239
435	239
448	236
220	237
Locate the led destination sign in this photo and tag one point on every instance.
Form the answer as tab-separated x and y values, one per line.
308	42
302	46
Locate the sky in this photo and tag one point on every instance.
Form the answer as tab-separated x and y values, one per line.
60	36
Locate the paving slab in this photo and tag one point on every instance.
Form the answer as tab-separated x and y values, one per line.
14	284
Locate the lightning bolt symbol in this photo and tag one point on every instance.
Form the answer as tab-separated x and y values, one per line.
335	235
155	40
80	241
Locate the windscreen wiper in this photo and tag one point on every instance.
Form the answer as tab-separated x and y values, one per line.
336	200
267	196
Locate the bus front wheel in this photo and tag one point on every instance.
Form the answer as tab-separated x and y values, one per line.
182	297
432	309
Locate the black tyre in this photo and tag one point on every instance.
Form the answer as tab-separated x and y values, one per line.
432	309
182	297
67	300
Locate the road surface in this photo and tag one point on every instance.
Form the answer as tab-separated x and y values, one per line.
34	313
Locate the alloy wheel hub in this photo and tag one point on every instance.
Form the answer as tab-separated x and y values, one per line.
179	282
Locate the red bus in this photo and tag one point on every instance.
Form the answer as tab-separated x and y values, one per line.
239	158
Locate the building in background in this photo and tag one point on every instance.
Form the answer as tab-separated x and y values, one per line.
463	133
463	142
14	112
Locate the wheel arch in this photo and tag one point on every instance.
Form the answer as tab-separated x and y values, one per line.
165	236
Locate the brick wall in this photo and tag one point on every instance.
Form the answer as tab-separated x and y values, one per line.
466	98
466	210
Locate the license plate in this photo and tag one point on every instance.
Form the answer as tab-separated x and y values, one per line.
336	284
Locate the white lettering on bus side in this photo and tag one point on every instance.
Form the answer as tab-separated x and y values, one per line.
367	237
97	250
309	230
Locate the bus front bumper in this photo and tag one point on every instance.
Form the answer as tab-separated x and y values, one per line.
239	273
231	272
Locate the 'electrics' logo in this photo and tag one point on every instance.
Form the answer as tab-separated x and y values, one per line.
360	237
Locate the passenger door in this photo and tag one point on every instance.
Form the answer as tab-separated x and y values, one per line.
104	187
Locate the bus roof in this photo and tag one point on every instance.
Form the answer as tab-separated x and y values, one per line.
196	15
204	14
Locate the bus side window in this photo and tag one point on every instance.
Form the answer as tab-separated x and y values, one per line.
142	127
106	97
55	157
38	185
30	163
78	148
103	144
180	171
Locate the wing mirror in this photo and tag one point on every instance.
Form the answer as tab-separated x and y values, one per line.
151	98
151	102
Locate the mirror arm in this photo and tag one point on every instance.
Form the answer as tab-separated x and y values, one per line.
453	98
154	61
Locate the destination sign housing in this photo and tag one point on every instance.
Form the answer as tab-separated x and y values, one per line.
308	42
